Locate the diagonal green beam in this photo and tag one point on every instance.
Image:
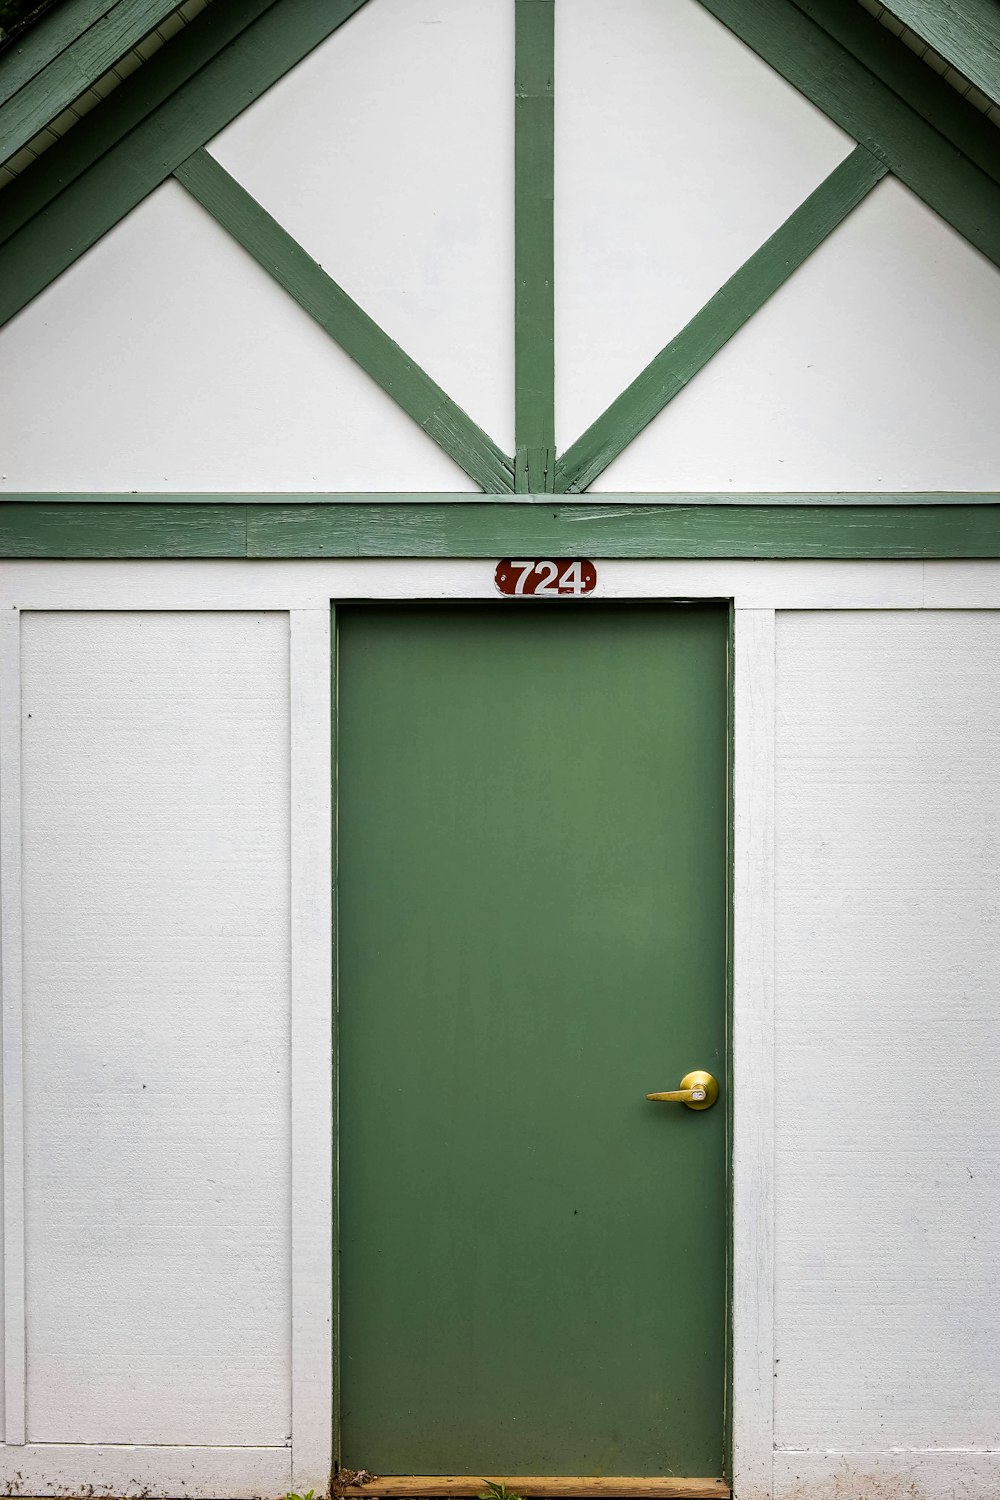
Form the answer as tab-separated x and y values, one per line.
534	358
347	324
725	314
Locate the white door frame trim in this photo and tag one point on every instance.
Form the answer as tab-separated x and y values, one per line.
312	1039
753	1054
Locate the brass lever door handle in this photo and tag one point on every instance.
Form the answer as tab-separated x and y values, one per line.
698	1090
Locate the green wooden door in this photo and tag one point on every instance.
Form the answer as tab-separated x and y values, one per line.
532	936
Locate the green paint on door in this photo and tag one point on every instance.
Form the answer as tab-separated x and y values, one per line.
532	919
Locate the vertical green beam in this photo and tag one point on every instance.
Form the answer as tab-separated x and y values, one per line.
534	362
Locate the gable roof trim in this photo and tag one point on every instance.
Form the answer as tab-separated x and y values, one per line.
933	59
965	34
50	101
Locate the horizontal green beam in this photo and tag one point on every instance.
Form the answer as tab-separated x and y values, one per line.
733	305
69	74
72	530
274	249
621	531
815	63
498	528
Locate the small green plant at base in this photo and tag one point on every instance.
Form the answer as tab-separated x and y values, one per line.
309	1495
497	1492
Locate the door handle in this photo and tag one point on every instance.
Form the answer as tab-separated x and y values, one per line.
698	1090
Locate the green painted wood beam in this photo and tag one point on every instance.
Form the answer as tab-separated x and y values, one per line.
534	332
72	530
69	74
489	529
347	324
626	531
723	316
965	32
195	111
815	63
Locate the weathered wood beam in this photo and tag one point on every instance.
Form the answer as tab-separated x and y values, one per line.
410	526
439	1485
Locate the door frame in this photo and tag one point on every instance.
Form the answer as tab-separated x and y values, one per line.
749	1414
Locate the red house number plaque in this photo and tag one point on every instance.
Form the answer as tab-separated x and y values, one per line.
547	577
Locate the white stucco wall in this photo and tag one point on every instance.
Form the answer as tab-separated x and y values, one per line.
662	190
875	367
166	359
389	154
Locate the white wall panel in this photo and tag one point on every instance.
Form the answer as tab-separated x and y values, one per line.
389	154
156	1028
166	359
876	366
678	152
887	1033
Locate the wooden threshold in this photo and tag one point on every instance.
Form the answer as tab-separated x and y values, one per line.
612	1488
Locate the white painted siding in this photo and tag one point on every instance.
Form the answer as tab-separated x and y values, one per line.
678	152
156	1030
887	1033
166	359
876	366
157	926
389	154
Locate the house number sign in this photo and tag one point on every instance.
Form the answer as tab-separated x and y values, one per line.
549	577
